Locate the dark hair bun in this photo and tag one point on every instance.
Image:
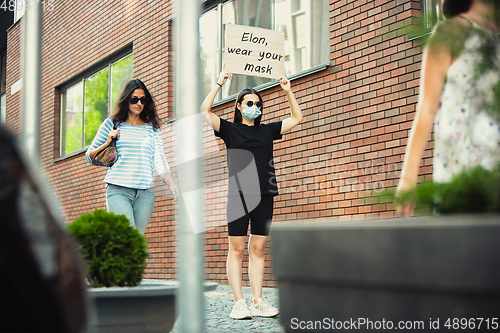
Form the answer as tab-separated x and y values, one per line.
455	7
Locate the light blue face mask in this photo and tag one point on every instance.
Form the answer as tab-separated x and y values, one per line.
251	112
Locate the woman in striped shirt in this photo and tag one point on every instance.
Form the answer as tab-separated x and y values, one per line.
129	182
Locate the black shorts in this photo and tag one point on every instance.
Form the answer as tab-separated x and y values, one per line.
238	216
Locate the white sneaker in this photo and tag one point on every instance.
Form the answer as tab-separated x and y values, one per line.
241	310
263	309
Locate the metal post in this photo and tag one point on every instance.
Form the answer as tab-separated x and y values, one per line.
188	152
30	95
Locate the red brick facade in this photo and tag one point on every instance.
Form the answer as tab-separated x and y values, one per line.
357	115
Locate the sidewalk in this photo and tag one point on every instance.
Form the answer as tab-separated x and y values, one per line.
218	305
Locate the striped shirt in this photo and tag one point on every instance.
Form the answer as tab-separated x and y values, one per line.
139	148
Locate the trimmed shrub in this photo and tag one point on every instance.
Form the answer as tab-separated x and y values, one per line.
115	252
474	190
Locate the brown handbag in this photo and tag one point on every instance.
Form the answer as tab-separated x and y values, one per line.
107	156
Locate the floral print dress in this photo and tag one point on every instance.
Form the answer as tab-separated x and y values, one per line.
466	132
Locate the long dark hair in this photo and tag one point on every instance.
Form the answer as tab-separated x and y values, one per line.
238	118
453	8
148	114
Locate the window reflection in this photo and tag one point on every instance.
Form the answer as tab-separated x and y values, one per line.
85	105
3	109
71	119
255	13
209	50
96	103
432	13
305	24
121	73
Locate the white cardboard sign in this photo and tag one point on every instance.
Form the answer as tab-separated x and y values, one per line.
254	51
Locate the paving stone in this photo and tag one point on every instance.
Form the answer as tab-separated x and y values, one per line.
218	305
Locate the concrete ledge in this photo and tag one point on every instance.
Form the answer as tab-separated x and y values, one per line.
147	288
401	269
147	308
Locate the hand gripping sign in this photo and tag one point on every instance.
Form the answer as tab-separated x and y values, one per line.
243	179
254	51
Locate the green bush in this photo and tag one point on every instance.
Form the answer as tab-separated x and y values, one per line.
115	252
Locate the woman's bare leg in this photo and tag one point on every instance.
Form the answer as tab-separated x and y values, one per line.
256	247
234	264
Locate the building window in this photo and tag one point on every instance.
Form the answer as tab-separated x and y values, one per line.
3	85
304	22
86	103
431	13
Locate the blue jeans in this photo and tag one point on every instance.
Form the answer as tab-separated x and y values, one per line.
136	205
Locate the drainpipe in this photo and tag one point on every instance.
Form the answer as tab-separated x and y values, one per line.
188	138
30	95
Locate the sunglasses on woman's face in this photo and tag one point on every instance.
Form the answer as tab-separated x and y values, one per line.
258	104
134	100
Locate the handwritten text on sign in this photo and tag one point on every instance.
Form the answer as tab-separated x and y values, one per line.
254	51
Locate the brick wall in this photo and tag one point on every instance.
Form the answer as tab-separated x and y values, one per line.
357	115
13	102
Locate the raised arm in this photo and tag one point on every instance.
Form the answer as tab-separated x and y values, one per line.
206	107
295	111
435	64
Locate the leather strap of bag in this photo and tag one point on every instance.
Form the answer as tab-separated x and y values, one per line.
113	141
111	144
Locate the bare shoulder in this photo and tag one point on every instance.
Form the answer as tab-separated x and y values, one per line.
451	28
450	34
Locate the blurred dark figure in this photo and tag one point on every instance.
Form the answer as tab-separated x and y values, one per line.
42	285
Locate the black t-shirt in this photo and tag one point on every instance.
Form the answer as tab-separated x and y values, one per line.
250	157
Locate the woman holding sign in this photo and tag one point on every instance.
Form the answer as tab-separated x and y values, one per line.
245	137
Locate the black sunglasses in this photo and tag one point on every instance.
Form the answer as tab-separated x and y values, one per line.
134	100
258	104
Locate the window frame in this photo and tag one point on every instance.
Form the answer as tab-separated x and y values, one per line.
424	22
208	5
107	62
